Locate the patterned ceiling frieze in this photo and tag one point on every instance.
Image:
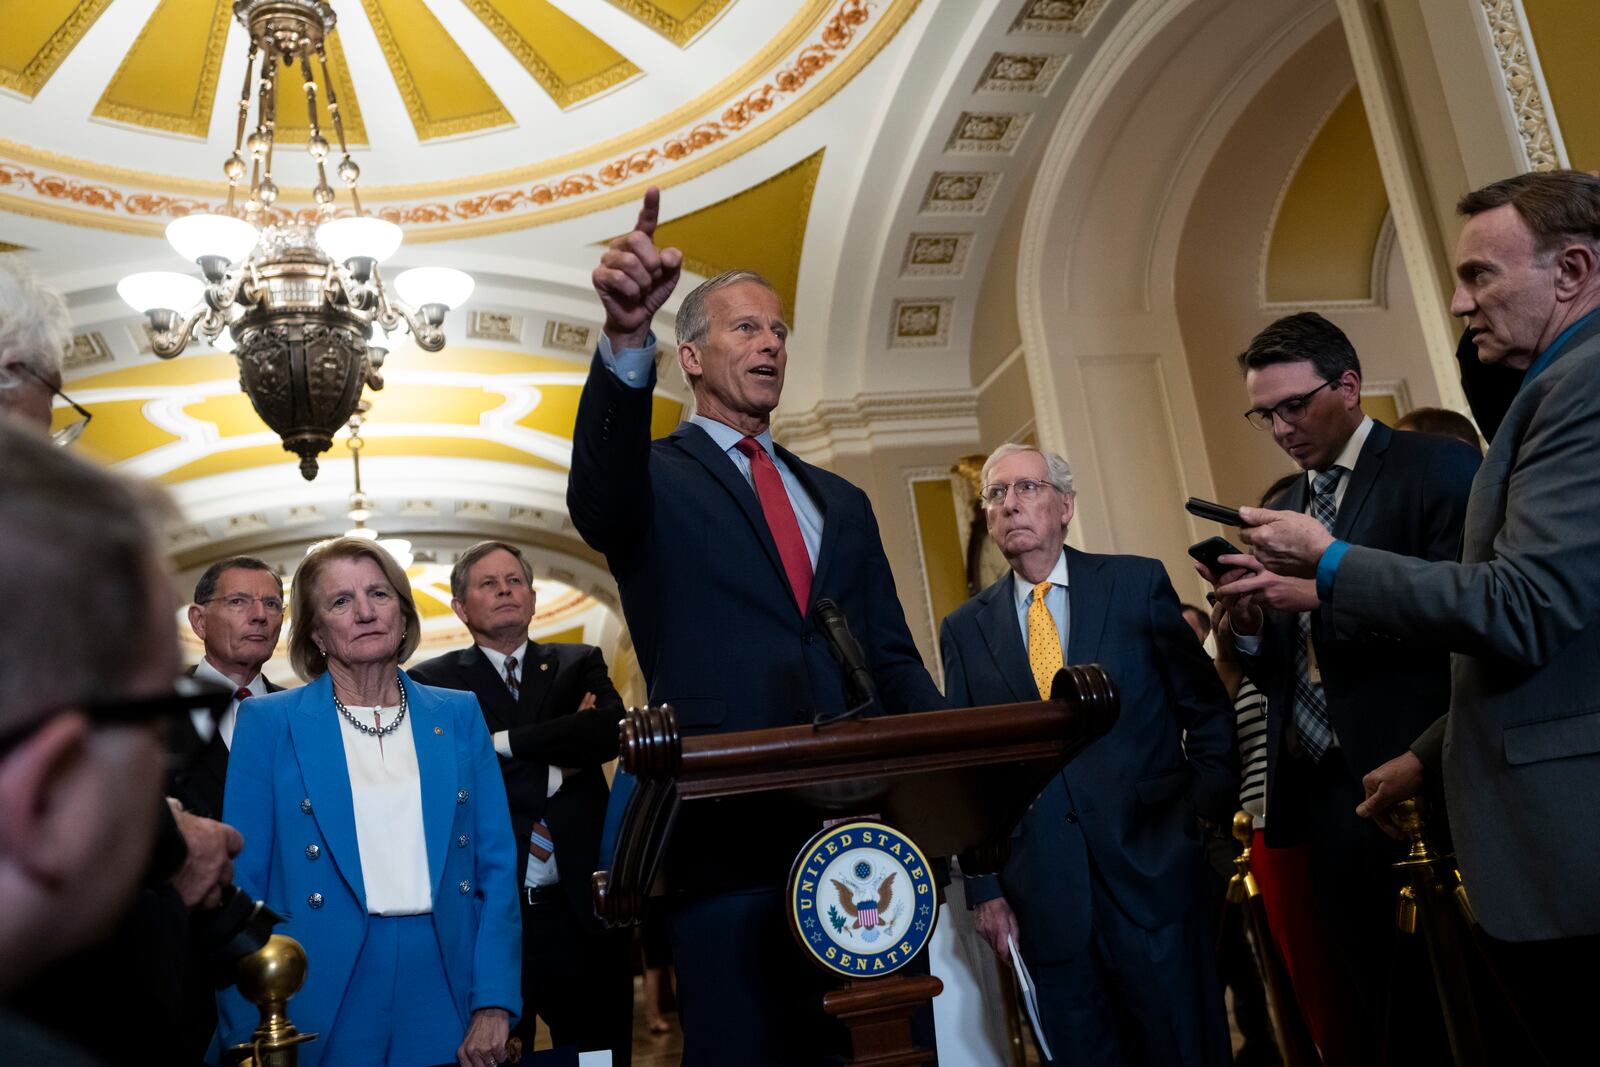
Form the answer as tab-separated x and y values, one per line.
1057	16
803	78
920	323
936	255
978	131
25	71
1009	72
959	192
681	27
1521	84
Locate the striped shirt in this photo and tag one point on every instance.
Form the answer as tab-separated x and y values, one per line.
1250	718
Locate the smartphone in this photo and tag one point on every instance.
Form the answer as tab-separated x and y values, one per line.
1205	509
1212	549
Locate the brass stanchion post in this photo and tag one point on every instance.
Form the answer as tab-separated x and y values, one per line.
268	978
1431	899
1289	1026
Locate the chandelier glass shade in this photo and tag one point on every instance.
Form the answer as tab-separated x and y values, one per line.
297	297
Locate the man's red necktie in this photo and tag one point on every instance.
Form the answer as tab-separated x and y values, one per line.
780	519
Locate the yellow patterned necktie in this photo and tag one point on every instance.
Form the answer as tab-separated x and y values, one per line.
1044	641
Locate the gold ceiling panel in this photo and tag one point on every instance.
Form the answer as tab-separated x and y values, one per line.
240	459
168	79
571	63
7	246
744	232
118	431
38	35
676	20
292	127
444	93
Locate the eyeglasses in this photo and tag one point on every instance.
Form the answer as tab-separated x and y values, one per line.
994	494
240	603
186	696
70	432
1291	410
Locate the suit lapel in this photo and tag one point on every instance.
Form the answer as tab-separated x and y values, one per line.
997	621
433	729
537	675
483	680
314	728
697	443
1368	465
1089	592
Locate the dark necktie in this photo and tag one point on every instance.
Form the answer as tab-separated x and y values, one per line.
1311	704
781	520
240	694
511	677
540	843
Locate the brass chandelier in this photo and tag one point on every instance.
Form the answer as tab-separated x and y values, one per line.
296	297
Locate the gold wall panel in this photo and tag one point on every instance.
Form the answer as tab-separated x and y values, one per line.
444	93
1381	406
1564	34
118	430
676	20
1327	225
38	35
944	564
761	229
168	79
572	635
404	447
571	63
292	127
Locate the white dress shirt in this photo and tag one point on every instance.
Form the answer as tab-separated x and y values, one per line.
205	672
386	793
540	872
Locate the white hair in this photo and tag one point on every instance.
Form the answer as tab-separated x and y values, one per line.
1058	472
35	327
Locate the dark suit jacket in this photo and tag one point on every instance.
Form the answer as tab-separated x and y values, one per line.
545	728
1128	801
199	768
1407	494
1521	613
710	609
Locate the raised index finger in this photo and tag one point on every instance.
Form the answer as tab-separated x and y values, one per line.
649	212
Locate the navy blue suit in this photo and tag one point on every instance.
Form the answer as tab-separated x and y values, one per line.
1407	494
719	638
1107	873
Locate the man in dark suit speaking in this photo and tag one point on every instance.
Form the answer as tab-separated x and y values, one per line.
552	712
722	543
1104	889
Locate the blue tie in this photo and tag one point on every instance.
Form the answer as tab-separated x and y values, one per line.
1310	704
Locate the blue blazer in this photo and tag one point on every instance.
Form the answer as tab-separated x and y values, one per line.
289	788
1129	800
711	613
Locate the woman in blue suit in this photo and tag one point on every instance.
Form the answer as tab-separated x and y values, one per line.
375	819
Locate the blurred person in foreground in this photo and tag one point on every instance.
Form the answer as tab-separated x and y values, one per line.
80	753
375	819
1519	751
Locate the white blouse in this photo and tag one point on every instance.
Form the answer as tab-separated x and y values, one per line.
386	789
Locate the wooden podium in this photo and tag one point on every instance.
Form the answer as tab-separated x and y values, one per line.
953	782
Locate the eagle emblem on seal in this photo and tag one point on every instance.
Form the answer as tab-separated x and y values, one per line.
866	904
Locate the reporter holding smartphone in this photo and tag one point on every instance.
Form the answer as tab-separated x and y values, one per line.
1343	700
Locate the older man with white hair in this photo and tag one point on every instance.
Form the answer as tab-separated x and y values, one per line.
1105	886
34	332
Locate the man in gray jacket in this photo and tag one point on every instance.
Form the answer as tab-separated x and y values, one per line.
1520	748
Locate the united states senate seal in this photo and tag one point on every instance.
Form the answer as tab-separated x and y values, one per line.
861	899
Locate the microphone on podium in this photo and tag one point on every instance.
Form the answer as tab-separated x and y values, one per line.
859	692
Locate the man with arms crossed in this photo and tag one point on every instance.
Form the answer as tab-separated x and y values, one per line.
1105	885
721	543
1519	751
553	713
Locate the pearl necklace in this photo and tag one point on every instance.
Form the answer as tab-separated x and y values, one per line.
373	731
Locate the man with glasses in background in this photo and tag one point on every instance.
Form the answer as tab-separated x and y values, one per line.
237	614
1342	700
1106	882
80	751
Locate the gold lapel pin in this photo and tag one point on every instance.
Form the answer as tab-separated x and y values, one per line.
438	729
544	666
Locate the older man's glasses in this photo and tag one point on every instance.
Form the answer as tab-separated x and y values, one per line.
1026	489
68	432
1291	410
243	603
